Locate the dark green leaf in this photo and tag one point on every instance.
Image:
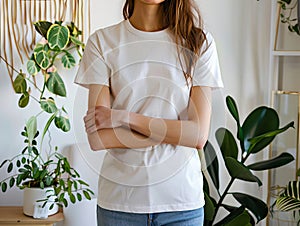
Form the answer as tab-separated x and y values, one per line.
24	100
65	202
10	167
227	143
240	171
287	1
260	121
72	198
209	209
19	84
42	185
83	183
281	160
35	150
274	133
75	185
79	197
92	193
4	186
231	105
87	195
56	85
20	178
18	163
212	163
2	164
12	182
241	220
51	207
42	27
61	197
255	205
231	216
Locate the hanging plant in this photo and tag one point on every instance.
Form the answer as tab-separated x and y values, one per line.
290	14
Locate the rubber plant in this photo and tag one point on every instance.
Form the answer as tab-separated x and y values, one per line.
258	130
36	165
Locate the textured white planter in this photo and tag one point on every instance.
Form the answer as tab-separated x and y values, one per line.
31	195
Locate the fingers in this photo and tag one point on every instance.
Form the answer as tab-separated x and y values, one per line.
94	119
89	121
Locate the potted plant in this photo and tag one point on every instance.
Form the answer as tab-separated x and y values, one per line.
39	168
287	198
257	132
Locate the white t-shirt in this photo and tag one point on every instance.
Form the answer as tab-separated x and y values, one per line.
144	74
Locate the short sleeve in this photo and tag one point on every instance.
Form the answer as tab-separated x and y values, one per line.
207	70
92	68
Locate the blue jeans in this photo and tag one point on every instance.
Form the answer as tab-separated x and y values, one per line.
180	218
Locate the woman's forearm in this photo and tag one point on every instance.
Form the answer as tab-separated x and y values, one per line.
177	132
118	138
192	132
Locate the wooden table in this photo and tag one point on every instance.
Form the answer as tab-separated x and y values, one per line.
13	216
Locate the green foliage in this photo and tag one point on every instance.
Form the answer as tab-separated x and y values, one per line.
288	198
258	130
32	167
287	15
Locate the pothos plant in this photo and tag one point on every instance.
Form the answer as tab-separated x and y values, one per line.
37	166
257	131
290	14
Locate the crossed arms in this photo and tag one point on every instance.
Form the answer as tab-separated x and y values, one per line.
109	128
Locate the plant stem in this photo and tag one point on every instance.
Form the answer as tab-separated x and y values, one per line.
5	61
44	86
222	198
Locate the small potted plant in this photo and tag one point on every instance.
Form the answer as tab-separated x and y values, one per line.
287	198
37	168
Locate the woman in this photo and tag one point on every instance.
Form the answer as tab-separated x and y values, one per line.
150	79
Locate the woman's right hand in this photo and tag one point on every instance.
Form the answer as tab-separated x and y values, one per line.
101	117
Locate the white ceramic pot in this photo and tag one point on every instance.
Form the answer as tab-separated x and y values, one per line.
32	195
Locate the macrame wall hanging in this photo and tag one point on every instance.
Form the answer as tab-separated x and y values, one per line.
17	33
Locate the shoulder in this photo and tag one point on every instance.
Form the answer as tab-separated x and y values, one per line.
107	36
109	29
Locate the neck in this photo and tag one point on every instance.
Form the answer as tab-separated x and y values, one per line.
146	17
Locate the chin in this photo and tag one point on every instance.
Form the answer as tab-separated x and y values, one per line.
152	2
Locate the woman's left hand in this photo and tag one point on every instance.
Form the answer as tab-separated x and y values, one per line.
102	117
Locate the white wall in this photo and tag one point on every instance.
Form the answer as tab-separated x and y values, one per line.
241	30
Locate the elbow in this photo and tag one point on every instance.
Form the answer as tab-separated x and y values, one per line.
200	145
201	142
95	143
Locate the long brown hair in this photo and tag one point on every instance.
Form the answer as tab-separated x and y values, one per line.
183	19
